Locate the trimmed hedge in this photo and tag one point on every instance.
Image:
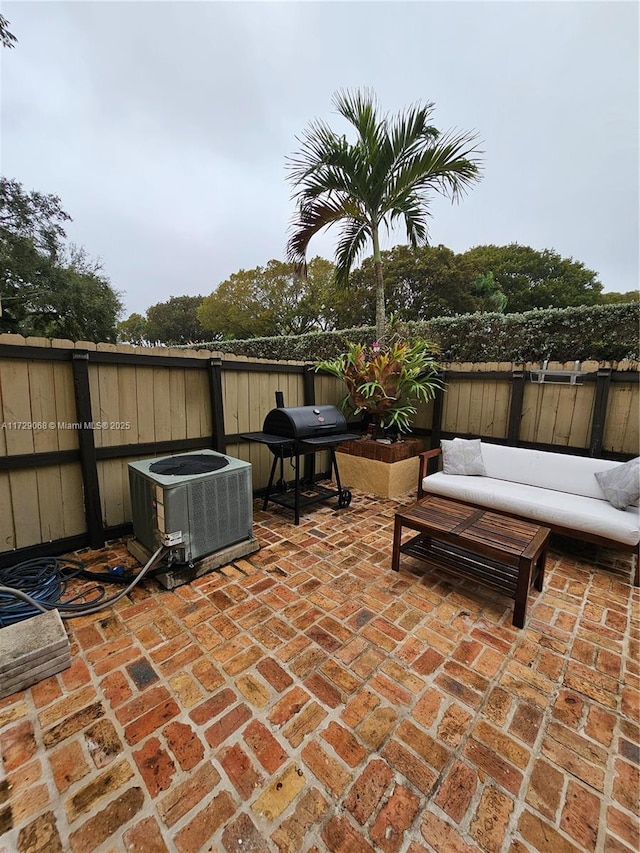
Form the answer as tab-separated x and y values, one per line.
596	332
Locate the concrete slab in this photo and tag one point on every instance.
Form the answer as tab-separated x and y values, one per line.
178	575
30	648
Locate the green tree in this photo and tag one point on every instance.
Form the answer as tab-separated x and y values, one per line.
47	288
272	300
422	283
133	330
535	279
387	175
175	321
36	216
488	289
79	303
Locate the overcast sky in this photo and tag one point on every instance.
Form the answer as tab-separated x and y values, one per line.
164	126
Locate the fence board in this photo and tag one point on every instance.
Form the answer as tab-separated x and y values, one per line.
529	409
242	402
43	405
501	408
14	377
23	488
546	412
45	438
7	527
629	443
161	407
144	404
582	416
177	404
74	521
474	417
50	507
110	476
198	404
450	403
109	408
65	405
621	399
128	403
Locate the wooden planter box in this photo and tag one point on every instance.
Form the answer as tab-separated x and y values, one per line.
383	470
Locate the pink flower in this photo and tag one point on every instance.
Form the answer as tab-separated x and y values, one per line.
375	346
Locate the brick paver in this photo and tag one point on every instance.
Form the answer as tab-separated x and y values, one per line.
308	698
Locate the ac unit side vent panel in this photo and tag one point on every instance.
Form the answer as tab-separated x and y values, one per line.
220	511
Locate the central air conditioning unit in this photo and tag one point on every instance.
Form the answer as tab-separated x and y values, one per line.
195	503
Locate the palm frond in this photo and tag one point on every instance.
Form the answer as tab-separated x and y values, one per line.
353	238
312	217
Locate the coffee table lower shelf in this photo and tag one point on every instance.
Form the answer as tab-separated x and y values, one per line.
459	561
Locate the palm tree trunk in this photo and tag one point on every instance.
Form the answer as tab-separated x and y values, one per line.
380	308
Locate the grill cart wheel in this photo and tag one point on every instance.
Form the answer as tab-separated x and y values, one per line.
344	498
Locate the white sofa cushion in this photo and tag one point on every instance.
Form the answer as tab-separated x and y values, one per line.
576	512
558	471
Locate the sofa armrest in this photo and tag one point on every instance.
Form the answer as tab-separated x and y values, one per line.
424	458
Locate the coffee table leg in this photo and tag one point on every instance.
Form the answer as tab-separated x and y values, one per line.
397	538
542	562
522	592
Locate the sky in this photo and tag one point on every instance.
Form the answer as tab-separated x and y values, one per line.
164	127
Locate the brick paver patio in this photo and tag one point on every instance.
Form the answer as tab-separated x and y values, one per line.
308	699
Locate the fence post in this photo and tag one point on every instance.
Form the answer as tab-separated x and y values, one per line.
603	381
309	385
87	447
515	407
218	438
438	406
309	399
436	421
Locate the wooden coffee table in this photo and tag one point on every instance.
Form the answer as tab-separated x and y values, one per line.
494	549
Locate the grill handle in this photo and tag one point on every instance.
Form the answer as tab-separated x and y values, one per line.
279	400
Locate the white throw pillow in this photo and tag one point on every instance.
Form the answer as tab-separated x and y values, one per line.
621	485
462	456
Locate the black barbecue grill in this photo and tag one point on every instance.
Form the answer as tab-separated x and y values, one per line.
292	432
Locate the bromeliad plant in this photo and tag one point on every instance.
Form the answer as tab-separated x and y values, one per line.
387	382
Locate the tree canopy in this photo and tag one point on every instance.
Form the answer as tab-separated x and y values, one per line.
387	175
536	279
46	287
175	321
271	300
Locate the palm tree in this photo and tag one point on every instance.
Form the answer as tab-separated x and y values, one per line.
386	175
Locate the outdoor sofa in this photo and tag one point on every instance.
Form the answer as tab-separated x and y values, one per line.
558	490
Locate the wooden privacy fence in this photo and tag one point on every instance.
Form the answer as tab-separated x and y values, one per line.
74	415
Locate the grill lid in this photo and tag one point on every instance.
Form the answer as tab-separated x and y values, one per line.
301	422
